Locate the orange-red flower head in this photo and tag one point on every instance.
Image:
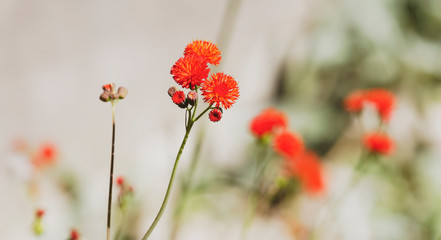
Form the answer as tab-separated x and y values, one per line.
215	115
383	100
267	121
46	155
288	144
189	71
39	213
74	235
354	101
220	89
308	169
379	143
205	49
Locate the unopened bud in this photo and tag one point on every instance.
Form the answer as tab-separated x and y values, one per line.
172	91
122	92
114	96
179	99
105	96
215	115
192	97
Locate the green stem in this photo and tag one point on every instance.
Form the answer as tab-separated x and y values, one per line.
170	184
202	113
109	204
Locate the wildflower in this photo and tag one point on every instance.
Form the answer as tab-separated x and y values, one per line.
288	144
110	94
205	49
379	143
109	87
308	170
215	115
383	100
179	99
74	235
46	155
267	121
354	102
190	70
39	213
172	91
220	89
192	98
120	181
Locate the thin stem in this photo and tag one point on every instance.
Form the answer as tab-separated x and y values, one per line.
170	184
109	204
202	113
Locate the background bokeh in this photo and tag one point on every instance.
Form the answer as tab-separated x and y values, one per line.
301	56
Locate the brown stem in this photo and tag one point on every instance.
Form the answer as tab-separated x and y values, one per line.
109	204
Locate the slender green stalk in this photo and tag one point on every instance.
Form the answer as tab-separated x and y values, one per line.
109	204
170	184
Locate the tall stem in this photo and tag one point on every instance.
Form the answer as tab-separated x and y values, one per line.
170	184
109	204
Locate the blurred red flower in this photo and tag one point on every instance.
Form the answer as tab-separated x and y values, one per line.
379	143
308	169
39	213
354	101
288	144
383	100
74	235
220	89
205	49
189	71
120	181
46	155
267	121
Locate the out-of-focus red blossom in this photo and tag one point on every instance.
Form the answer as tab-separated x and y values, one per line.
189	71
379	143
120	181
308	169
383	100
74	235
215	115
39	213
354	101
46	155
205	49
267	121
288	144
220	89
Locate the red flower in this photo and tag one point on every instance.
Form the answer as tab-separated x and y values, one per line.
307	168
190	70
383	100
205	49
221	90
378	143
74	235
354	101
288	144
215	115
267	121
120	181
46	155
39	213
178	97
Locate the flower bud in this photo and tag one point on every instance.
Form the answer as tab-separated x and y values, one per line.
192	97
109	87
122	92
105	96
113	96
74	235
179	99
215	115
172	91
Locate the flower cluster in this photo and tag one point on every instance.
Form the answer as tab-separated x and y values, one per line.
111	94
382	99
191	71
300	162
377	142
